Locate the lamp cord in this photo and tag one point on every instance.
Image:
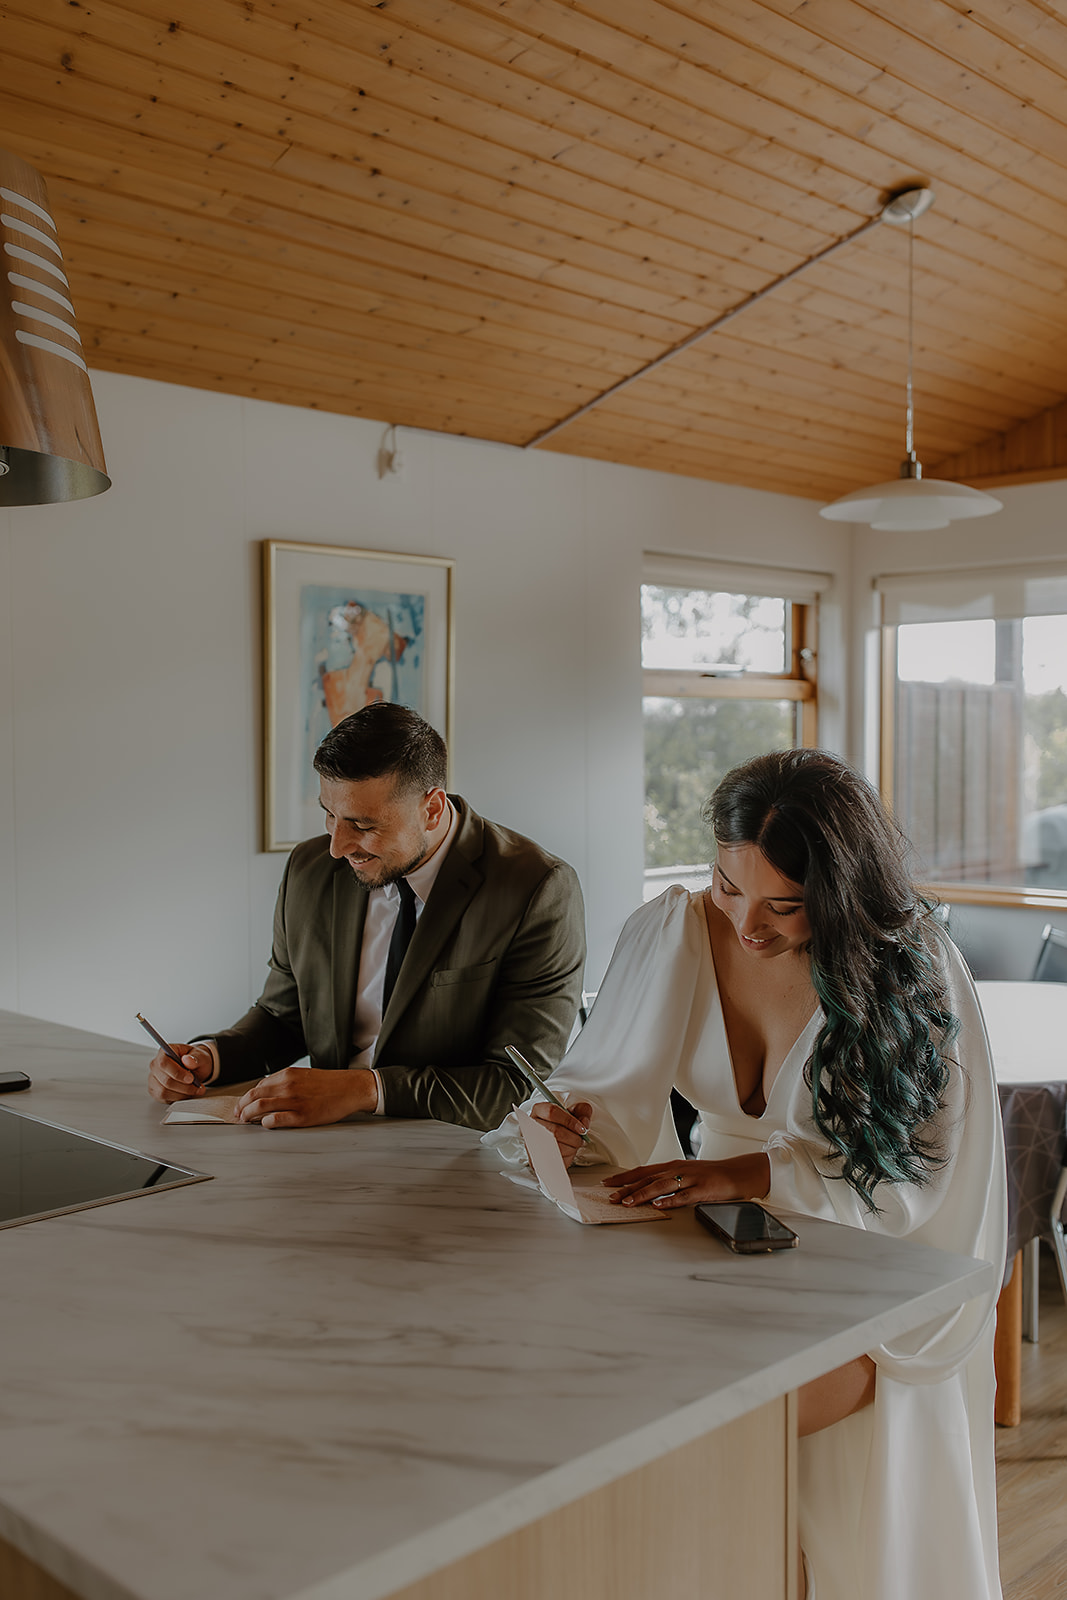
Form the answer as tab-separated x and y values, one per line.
909	426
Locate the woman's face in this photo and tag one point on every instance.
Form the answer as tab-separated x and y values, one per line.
766	910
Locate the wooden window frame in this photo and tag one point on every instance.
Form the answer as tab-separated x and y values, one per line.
963	894
797	683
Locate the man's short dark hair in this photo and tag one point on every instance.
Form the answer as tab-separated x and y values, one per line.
383	739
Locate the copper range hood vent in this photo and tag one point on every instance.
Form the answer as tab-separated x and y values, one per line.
50	446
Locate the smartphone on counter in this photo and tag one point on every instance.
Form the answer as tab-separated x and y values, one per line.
10	1081
745	1227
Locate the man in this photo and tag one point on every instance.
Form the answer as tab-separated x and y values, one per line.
411	945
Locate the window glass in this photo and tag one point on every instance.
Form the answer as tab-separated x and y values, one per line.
726	676
980	749
689	746
700	630
937	652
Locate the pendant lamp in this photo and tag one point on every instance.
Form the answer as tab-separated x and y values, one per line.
50	446
910	503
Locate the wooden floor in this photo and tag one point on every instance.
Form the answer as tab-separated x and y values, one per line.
1032	1461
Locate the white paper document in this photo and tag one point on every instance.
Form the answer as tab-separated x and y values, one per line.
206	1108
585	1202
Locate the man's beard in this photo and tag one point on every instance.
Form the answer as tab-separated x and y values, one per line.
391	874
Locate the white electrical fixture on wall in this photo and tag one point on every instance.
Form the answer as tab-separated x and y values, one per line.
910	503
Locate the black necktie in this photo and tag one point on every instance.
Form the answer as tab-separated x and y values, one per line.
403	928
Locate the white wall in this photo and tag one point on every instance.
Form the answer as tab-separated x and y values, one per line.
131	876
998	942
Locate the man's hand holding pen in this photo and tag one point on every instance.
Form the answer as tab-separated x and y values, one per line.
181	1079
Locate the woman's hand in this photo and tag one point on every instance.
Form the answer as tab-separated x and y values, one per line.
568	1126
670	1184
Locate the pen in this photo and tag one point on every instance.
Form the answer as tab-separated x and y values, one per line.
520	1061
158	1037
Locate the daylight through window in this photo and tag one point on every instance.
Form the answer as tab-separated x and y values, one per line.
727	675
975	734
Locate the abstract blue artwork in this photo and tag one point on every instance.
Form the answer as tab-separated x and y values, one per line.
357	647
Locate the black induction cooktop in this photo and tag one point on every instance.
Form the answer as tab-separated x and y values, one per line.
46	1170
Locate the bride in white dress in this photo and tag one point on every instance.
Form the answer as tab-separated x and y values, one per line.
831	1040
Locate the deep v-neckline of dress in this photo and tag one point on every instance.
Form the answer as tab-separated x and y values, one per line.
721	1016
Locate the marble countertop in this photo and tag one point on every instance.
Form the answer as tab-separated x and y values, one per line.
359	1353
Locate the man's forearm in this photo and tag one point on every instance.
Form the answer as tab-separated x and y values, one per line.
257	1044
478	1096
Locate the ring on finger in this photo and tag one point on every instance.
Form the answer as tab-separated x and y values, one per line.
677	1182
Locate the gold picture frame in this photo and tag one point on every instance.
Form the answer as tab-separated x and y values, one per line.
343	627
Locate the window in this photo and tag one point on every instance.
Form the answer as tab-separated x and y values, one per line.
729	672
974	737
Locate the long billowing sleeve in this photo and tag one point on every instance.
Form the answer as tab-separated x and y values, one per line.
627	1057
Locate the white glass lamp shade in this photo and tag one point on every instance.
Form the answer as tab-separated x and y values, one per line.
911	505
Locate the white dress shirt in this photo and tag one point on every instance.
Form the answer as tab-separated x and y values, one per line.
383	908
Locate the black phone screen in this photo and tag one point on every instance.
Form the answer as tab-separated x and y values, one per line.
746	1225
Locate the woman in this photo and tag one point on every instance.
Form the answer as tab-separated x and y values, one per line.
830	1037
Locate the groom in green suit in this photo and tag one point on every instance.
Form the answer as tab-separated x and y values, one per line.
411	944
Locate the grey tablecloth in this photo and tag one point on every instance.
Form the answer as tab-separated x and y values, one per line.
1035	1137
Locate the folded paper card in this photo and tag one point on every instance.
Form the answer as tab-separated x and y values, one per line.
209	1107
588	1201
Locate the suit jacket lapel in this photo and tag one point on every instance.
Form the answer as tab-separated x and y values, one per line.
349	915
458	882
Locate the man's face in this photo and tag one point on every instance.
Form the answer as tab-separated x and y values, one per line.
382	834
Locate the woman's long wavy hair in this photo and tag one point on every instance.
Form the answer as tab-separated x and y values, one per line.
878	1071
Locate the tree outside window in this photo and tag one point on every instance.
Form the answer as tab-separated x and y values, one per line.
727	676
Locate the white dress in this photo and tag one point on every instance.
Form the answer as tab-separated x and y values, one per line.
897	1502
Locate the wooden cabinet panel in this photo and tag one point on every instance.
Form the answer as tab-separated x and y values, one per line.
715	1518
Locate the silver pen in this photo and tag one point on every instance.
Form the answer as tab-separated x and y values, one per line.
517	1059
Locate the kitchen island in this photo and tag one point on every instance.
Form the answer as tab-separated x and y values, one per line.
359	1363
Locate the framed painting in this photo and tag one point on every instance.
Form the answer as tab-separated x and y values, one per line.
342	629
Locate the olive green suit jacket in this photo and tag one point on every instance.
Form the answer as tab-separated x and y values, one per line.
496	958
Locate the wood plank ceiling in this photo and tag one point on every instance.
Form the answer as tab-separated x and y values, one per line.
477	215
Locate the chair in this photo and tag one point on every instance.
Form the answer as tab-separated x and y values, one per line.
1051	967
1051	963
1059	1241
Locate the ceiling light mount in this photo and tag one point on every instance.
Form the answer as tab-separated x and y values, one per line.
910	503
907	205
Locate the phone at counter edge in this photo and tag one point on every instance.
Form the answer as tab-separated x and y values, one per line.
10	1081
772	1235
